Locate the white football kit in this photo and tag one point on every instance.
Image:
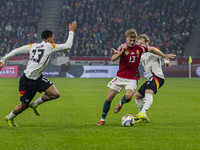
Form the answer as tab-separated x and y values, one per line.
152	63
39	55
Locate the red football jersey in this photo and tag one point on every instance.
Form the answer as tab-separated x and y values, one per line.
130	60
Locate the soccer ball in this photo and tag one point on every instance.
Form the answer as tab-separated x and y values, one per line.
127	120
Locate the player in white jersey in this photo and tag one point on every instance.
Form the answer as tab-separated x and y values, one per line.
155	79
32	80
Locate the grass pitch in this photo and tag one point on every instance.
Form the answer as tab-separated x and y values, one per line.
69	122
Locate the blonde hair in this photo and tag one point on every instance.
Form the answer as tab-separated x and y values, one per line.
131	33
145	37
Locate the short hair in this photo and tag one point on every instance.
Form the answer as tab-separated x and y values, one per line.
46	34
143	36
131	33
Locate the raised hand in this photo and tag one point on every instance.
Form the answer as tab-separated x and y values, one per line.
72	26
112	50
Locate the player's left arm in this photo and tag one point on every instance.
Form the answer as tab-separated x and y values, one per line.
23	49
68	44
166	56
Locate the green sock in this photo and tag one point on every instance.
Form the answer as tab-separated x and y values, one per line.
106	108
124	100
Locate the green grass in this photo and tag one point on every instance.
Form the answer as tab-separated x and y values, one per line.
70	122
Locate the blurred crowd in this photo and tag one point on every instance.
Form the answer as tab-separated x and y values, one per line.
18	23
102	24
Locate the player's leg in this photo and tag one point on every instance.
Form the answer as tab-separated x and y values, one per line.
139	96
114	88
27	92
106	106
148	100
139	100
130	87
17	110
51	92
153	84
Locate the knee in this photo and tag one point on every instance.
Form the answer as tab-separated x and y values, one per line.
109	98
24	106
56	95
138	96
128	97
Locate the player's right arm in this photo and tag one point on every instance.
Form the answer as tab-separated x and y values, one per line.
117	54
68	44
23	49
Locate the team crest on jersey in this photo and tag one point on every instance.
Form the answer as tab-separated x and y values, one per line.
126	52
110	83
138	53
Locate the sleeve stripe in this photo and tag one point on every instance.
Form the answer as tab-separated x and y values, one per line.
143	49
30	45
54	45
156	48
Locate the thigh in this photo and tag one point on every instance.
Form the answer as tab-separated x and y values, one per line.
27	89
111	94
52	90
154	83
142	89
116	84
43	84
131	85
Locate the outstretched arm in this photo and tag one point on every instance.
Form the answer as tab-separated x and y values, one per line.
69	42
23	49
166	56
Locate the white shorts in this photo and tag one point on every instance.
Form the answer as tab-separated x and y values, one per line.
118	83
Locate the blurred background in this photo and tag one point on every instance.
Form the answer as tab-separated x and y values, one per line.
172	26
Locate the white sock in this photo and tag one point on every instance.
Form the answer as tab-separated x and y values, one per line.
147	103
38	101
11	115
139	103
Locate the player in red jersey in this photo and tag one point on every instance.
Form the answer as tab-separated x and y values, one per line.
128	73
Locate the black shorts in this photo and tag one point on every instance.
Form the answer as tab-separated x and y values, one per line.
154	83
28	88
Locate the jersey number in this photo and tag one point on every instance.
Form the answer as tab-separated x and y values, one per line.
39	52
132	59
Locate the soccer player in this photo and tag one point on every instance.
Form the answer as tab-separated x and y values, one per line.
155	79
32	80
128	73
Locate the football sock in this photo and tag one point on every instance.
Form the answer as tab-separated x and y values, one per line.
147	102
124	100
106	108
38	102
11	115
139	103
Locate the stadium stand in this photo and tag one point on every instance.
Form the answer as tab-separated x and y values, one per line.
18	23
102	23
